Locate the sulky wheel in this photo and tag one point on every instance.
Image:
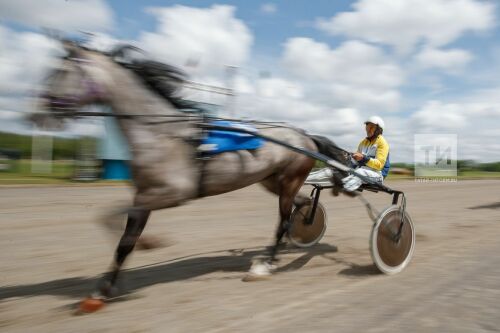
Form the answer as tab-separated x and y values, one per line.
302	234
389	253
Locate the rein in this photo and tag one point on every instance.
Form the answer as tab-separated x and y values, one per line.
170	118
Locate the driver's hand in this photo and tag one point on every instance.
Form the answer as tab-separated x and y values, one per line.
357	156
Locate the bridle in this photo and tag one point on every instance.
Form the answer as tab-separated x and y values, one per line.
92	91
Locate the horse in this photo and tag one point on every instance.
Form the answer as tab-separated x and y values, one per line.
165	170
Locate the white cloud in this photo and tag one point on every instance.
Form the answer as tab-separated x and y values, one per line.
438	116
275	99
203	39
279	99
58	14
486	101
279	88
366	98
448	60
243	85
455	116
353	62
336	122
24	60
474	120
268	8
403	24
356	74
103	42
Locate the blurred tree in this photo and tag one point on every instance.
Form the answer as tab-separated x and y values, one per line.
64	148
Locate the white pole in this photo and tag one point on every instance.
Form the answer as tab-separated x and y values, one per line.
41	152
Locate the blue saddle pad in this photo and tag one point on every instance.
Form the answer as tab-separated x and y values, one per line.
221	141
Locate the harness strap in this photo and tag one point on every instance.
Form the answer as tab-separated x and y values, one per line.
201	178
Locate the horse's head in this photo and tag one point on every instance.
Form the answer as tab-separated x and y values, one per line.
76	82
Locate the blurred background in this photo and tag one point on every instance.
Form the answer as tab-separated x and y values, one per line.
428	68
324	67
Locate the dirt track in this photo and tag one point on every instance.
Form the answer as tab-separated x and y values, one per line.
53	250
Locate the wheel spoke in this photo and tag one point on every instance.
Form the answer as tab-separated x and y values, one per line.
389	255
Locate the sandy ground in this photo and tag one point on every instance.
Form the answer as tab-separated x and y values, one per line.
53	250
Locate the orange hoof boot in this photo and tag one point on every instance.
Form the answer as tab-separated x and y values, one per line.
89	305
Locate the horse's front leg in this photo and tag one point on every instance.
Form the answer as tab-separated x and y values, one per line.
136	221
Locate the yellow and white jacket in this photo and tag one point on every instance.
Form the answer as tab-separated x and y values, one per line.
376	154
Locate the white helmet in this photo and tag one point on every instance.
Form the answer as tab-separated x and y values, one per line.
376	120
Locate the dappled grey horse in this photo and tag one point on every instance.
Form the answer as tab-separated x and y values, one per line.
165	171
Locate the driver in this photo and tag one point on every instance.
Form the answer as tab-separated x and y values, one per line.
372	157
370	160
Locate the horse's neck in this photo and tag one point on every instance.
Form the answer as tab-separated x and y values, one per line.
128	96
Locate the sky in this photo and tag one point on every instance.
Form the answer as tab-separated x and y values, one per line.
325	66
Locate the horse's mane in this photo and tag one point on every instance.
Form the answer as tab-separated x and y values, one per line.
164	79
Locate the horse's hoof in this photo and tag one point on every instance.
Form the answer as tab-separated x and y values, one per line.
249	277
90	304
259	271
149	243
351	194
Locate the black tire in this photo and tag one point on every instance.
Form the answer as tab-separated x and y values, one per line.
305	235
391	256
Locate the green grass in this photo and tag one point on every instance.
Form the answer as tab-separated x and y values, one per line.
479	174
391	176
463	175
22	168
20	173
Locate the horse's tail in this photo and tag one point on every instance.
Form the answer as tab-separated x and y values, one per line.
114	219
329	148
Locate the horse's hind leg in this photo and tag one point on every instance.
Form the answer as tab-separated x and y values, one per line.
136	221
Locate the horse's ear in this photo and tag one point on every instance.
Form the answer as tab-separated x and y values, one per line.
72	49
69	46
